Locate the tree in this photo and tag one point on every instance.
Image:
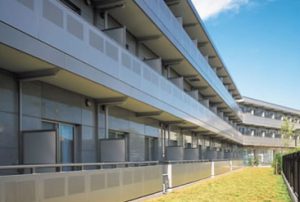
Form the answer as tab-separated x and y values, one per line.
287	130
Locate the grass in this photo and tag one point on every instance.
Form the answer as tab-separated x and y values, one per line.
249	184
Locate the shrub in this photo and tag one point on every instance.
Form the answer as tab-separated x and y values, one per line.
250	161
277	160
255	161
277	163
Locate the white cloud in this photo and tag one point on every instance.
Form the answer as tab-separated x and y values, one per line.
211	8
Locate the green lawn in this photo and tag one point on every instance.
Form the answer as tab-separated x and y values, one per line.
249	184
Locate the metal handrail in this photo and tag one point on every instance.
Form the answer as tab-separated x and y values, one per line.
198	161
82	166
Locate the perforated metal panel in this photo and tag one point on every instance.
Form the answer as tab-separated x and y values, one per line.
222	167
54	187
111	185
111	51
113	179
236	164
21	191
53	13
126	60
76	184
136	67
189	172
98	181
75	27
28	3
96	41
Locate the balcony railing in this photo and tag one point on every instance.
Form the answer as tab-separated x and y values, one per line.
266	141
125	181
158	11
31	169
263	121
52	23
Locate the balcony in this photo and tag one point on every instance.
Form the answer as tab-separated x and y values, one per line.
120	181
250	119
267	142
164	19
109	182
50	23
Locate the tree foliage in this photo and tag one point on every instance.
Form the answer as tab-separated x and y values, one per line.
287	128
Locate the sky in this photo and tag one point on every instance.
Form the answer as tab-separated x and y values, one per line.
259	42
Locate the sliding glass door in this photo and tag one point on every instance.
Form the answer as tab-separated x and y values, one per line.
65	140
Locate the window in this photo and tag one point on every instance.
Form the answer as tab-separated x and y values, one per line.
72	6
150	145
66	139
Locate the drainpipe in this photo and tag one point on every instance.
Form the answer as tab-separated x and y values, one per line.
169	135
20	120
162	139
105	107
97	131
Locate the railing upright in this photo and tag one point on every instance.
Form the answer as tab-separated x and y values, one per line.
291	170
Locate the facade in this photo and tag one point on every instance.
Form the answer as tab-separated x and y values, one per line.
113	99
261	128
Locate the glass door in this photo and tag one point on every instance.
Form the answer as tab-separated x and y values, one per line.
66	143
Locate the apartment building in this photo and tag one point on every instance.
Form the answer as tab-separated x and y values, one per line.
111	100
261	128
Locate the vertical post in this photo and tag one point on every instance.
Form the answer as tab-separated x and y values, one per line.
97	131
106	121
212	169
162	137
169	135
169	171
105	20
20	125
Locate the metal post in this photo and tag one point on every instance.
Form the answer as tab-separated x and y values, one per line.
212	169
97	132
20	126
106	121
162	137
169	135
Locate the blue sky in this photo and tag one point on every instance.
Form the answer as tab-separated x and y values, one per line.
259	42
